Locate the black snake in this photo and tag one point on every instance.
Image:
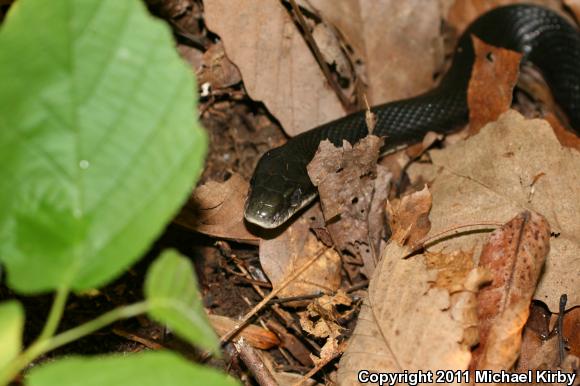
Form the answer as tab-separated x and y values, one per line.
280	185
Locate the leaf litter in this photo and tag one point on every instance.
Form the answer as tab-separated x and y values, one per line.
512	166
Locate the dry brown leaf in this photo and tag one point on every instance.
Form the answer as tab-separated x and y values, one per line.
566	137
409	217
280	257
574	6
399	41
462	12
320	320
255	336
353	191
217	70
276	64
490	176
217	209
515	255
493	78
405	323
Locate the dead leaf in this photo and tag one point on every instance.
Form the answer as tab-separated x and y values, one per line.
405	323
330	48
515	255
216	69
276	64
320	320
283	255
462	12
217	209
574	5
409	217
493	78
488	178
399	41
255	336
353	191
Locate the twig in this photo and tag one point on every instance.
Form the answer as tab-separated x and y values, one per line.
254	363
323	362
323	65
456	229
271	295
561	342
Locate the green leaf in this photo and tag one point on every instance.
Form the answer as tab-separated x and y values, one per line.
171	290
11	325
98	141
144	369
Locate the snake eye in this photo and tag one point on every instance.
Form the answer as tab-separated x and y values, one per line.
295	198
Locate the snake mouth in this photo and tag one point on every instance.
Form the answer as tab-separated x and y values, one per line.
260	215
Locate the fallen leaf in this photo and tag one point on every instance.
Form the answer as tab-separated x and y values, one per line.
515	255
409	217
399	42
353	191
254	335
276	64
216	69
217	209
488	178
281	256
462	12
574	5
493	78
405	323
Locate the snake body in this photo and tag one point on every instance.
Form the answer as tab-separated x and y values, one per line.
280	185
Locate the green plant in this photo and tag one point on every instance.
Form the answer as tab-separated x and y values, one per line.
99	146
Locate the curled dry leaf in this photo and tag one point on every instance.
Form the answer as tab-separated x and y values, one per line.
574	5
409	217
515	255
217	70
281	256
320	320
493	78
255	336
353	191
217	209
489	177
276	64
462	12
399	41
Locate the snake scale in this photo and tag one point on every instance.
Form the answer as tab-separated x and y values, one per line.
280	185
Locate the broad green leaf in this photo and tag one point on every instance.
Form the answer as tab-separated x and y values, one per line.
171	290
98	141
144	369
11	325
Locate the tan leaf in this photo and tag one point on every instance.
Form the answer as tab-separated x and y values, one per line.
255	336
462	12
280	257
217	209
217	69
399	41
405	323
574	6
276	64
515	255
409	217
353	191
490	177
493	78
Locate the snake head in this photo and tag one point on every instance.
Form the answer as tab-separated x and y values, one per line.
279	188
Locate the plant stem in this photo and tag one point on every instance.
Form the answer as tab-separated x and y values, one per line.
56	311
42	346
